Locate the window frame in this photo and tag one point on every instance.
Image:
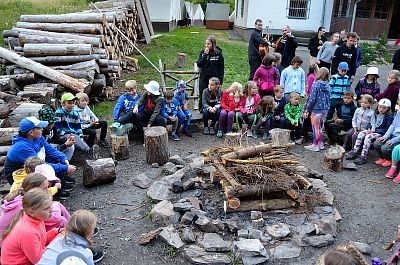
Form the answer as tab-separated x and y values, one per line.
298	10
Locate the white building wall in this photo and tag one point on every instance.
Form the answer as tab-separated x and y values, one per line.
160	10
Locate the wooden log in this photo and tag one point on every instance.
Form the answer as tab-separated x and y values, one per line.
80	74
2	160
40	95
22	111
280	137
98	172
247	152
333	158
181	60
92	64
28	38
156	145
7	84
262	205
12	42
4	149
105	63
220	167
119	147
99	84
68	59
8	97
69	82
90	28
45	49
21	78
66	18
6	135
232	139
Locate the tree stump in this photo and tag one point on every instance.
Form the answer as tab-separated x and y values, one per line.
181	60
333	158
98	172
232	139
156	145
280	137
119	147
6	135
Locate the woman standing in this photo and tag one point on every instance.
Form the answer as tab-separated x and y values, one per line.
211	62
325	54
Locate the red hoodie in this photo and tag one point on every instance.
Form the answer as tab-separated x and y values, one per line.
391	93
228	102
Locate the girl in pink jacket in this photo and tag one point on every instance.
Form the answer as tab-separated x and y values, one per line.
229	106
247	106
266	76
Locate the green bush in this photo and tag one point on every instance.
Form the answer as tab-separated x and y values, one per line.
375	52
368	53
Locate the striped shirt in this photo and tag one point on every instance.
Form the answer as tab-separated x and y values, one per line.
338	85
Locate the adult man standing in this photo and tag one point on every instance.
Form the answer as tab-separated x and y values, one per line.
315	44
346	53
343	34
286	45
253	50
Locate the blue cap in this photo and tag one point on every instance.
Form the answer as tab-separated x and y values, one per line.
181	85
29	123
343	66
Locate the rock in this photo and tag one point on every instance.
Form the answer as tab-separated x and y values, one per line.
205	170
177	176
177	160
243	233
170	168
336	215
197	162
159	191
177	186
171	236
299	232
213	242
5	188
142	181
287	250
187	218
258	223
254	260
183	205
323	209
319	241
188	235
350	166
205	224
192	183
197	255
325	226
362	247
197	213
320	186
296	219
255	215
248	249
278	231
155	165
197	204
191	193
230	226
163	212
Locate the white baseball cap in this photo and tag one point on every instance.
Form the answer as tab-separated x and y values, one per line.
153	87
372	71
385	102
47	171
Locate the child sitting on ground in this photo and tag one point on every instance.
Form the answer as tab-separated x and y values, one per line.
392	90
68	123
312	74
293	78
170	112
363	117
229	106
368	84
211	105
293	112
339	84
90	122
248	105
343	255
317	107
280	102
265	117
183	99
266	76
384	119
343	119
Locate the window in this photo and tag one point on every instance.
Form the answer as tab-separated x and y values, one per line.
342	8
298	9
242	9
364	9
382	9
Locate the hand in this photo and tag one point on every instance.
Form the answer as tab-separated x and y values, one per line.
66	162
211	110
296	124
237	109
318	62
71	169
338	121
305	115
380	139
135	109
231	94
277	118
57	185
185	107
92	124
206	51
319	47
264	119
389	143
369	131
289	34
61	230
70	142
352	78
355	129
172	118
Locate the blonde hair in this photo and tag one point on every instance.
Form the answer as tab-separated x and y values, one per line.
323	74
239	92
249	85
81	223
32	200
396	74
82	95
367	98
130	84
294	94
31	163
32	180
278	88
343	255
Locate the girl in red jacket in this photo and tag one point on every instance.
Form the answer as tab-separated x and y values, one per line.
247	106
266	76
229	106
25	239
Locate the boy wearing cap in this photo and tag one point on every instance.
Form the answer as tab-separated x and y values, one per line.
152	102
183	98
30	142
339	84
68	123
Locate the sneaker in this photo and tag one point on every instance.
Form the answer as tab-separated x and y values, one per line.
321	146
397	179
249	133
124	129
212	131
68	179
379	161
96	231
104	143
67	186
255	135
94	152
220	134
390	174
115	126
300	141
351	155
387	163
265	136
97	255
361	160
187	133
175	137
312	147
206	131
61	195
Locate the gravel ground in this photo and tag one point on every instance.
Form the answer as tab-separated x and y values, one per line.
367	201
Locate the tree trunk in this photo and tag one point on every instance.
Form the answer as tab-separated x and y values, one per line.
156	145
247	152
40	95
21	78
64	27
27	38
280	137
22	111
333	158
98	172
119	147
66	18
261	205
69	82
48	49
7	84
67	59
6	135
4	149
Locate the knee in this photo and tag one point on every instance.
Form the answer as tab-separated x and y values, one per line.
231	114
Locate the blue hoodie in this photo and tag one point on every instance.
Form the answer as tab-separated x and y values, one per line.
318	100
126	103
394	130
23	148
168	110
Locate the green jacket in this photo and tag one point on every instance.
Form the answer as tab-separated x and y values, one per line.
293	113
147	100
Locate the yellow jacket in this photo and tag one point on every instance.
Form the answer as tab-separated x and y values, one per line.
19	176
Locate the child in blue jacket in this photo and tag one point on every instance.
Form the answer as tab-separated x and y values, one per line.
183	98
125	104
170	111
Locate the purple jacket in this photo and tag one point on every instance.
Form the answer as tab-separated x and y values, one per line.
266	78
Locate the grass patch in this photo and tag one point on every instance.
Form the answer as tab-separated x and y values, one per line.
104	111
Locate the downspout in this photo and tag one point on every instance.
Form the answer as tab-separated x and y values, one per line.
323	14
353	19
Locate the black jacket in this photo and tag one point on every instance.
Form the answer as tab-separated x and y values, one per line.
212	65
52	137
345	54
254	44
396	60
314	43
288	50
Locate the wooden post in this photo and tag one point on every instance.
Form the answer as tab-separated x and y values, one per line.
333	158
142	18
280	137
196	91
100	171
181	60
161	69
119	147
156	145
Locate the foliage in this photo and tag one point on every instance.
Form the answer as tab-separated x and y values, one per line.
375	51
170	251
